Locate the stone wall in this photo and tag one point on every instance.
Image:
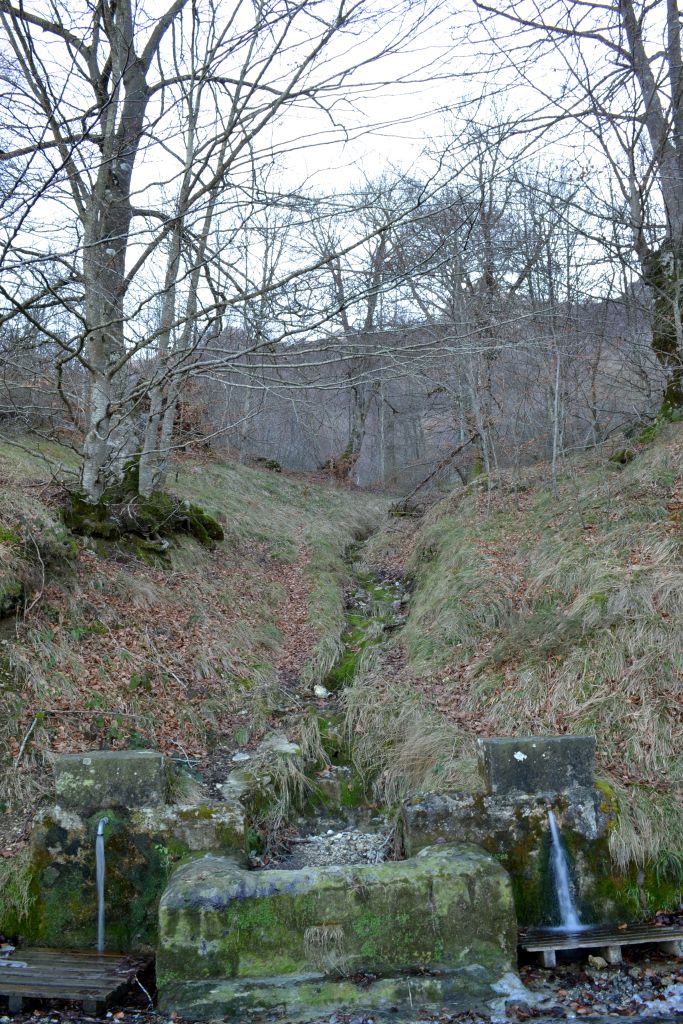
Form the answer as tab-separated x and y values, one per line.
523	778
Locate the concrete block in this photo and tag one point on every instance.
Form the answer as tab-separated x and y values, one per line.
538	765
111	778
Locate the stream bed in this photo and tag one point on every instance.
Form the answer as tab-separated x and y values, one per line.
337	822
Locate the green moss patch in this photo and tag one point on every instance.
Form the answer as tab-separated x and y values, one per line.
118	515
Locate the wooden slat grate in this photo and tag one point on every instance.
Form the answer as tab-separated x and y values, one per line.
537	941
608	941
94	979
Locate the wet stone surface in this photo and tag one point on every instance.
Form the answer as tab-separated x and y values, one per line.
649	989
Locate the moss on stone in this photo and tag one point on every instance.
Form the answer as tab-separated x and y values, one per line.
447	904
11	595
353	793
623	456
315	996
142	847
609	802
121	514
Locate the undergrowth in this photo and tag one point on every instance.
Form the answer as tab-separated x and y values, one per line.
16	896
538	611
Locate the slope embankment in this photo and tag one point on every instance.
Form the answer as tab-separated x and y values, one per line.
193	653
538	609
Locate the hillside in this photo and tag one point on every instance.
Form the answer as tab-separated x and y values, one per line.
541	611
193	655
533	609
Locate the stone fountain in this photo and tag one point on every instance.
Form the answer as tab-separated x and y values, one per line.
436	927
139	804
522	777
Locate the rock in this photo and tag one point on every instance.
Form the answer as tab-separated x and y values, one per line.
346	847
237	784
112	778
199	828
233	942
518	1008
623	456
258	785
598	962
538	764
277	743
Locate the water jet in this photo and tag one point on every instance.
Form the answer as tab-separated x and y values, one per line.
569	918
99	874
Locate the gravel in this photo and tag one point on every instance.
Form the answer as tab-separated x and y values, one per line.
348	846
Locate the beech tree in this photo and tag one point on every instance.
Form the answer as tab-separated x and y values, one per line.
139	135
614	72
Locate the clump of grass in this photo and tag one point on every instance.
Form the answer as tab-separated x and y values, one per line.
648	824
402	747
324	945
311	742
16	895
287	787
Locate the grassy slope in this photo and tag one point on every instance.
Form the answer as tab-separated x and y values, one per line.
536	612
186	657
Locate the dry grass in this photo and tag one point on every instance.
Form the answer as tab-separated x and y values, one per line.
115	652
400	745
16	898
324	945
536	612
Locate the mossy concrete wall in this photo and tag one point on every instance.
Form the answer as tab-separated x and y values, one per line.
142	847
515	829
233	941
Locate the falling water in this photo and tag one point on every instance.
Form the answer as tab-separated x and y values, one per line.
569	918
99	861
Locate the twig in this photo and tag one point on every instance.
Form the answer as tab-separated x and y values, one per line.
138	982
25	740
38	596
104	712
444	462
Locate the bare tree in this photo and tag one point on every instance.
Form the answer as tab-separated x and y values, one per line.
614	71
146	129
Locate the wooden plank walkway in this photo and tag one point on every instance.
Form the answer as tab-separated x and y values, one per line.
93	979
608	940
